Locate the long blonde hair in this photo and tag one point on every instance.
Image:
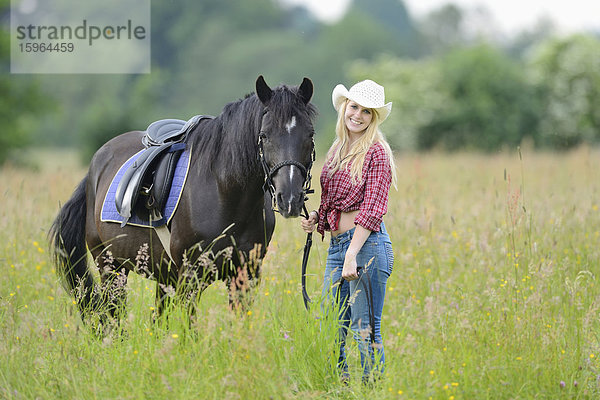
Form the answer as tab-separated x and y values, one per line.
341	154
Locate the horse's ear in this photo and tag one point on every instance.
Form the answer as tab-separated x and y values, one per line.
263	91
306	90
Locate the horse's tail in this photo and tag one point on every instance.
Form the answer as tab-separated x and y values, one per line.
67	244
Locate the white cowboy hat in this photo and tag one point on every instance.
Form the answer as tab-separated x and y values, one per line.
366	93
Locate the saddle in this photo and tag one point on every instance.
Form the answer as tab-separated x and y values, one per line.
144	187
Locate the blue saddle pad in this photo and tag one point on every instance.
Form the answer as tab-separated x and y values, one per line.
109	209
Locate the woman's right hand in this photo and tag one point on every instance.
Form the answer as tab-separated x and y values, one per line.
309	225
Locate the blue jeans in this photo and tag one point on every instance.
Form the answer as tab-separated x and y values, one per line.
376	259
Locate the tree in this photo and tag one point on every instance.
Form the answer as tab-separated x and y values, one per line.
20	98
474	98
491	103
567	74
444	28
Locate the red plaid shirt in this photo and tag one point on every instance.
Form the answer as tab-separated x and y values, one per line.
369	195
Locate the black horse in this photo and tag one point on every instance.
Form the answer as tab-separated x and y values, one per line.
258	148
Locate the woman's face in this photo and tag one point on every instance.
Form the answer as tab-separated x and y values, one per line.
357	118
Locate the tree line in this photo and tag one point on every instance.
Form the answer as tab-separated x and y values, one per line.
452	87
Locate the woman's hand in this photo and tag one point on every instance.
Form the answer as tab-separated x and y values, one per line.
349	271
309	225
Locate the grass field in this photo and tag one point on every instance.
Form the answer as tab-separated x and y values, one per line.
493	296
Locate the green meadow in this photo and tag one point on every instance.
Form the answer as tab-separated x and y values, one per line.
494	295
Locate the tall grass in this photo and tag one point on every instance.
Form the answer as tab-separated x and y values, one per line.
493	296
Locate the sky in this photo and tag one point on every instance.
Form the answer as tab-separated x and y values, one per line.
510	15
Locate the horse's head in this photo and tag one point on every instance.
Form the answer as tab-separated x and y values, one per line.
286	143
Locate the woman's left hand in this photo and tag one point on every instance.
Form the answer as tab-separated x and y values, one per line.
349	271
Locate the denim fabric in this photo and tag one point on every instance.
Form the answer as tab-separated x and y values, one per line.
376	258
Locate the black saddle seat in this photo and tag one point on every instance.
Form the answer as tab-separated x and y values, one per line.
169	130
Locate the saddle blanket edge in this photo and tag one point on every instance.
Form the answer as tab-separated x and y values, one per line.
109	211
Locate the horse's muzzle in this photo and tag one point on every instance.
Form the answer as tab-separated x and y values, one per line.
290	205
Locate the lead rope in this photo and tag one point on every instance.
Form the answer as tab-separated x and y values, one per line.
305	256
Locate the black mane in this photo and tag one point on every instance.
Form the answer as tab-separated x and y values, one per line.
232	136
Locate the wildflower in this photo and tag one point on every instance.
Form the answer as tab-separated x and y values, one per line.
174	336
562	384
592	355
249	313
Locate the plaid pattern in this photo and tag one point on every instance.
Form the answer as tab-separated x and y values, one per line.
370	195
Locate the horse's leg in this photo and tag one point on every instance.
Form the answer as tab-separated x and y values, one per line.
111	296
113	277
244	278
166	286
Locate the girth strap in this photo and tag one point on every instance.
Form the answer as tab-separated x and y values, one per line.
164	235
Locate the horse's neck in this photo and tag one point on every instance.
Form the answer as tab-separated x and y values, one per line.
238	156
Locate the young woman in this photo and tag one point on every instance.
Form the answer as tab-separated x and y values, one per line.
355	184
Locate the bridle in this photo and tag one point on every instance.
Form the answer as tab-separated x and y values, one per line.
269	186
269	173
